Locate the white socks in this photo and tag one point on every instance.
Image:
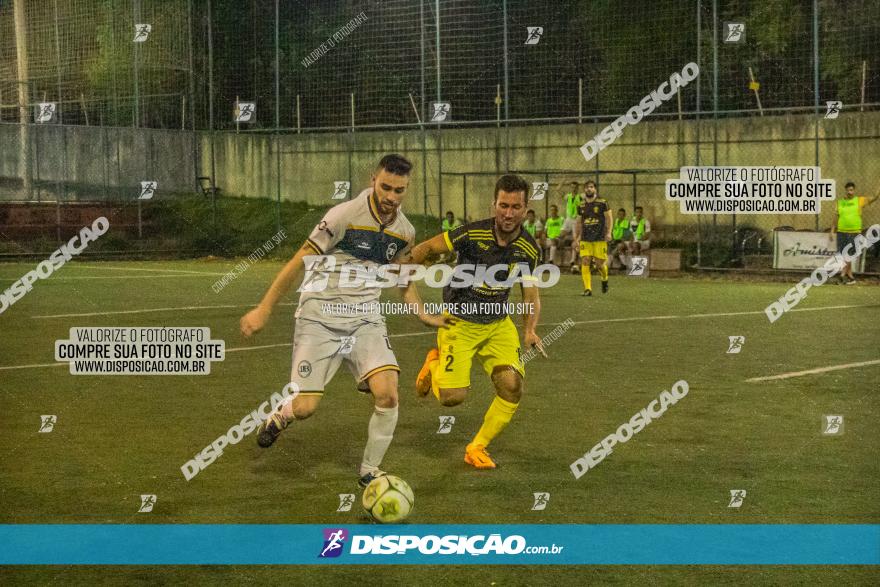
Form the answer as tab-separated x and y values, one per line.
381	431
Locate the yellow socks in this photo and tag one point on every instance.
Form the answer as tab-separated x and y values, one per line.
603	271
586	277
496	419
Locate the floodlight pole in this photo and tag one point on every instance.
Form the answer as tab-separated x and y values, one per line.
714	90
439	136
22	67
192	95
422	118
136	9
506	93
699	122
211	115
277	125
816	85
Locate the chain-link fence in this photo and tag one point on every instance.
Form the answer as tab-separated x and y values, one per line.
242	117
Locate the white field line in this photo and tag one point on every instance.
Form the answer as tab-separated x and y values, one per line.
814	371
175	275
143	269
283	344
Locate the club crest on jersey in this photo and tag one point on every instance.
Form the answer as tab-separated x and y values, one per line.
391	251
304	368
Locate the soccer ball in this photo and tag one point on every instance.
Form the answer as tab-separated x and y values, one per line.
388	499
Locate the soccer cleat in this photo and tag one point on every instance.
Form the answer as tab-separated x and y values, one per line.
850	281
364	388
269	430
476	455
423	380
587	293
604	287
370	477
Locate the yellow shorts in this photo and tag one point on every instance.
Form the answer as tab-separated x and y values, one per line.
597	249
495	344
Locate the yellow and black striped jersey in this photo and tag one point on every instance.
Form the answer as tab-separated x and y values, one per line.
593	214
476	244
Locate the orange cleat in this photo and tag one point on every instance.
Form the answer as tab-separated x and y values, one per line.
476	455
423	381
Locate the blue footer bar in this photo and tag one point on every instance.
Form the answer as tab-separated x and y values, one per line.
556	544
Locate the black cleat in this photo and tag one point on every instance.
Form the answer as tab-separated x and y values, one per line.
269	430
370	477
587	293
604	287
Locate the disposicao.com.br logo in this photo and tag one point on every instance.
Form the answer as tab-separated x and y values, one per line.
430	544
319	269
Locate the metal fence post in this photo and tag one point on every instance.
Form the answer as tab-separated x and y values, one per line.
136	10
277	125
816	86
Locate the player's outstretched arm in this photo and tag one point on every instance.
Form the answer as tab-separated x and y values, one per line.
410	292
253	321
436	245
414	300
609	222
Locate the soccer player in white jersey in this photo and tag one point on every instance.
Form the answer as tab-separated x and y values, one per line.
335	323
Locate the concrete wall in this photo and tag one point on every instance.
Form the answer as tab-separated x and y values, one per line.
91	160
849	148
245	163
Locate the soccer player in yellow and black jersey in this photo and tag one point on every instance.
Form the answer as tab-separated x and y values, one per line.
480	328
595	220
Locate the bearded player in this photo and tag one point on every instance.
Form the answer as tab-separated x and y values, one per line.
336	323
489	335
595	220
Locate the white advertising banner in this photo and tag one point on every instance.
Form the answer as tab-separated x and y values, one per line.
806	250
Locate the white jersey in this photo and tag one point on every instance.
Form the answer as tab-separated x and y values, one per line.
350	233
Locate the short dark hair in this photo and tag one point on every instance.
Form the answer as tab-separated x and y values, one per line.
396	164
849	183
530	211
622	210
450	212
511	183
588	182
638	208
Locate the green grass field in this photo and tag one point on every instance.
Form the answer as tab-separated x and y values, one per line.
121	436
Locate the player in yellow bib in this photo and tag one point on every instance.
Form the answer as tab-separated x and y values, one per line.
848	224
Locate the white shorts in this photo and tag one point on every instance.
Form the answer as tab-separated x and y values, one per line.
319	349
